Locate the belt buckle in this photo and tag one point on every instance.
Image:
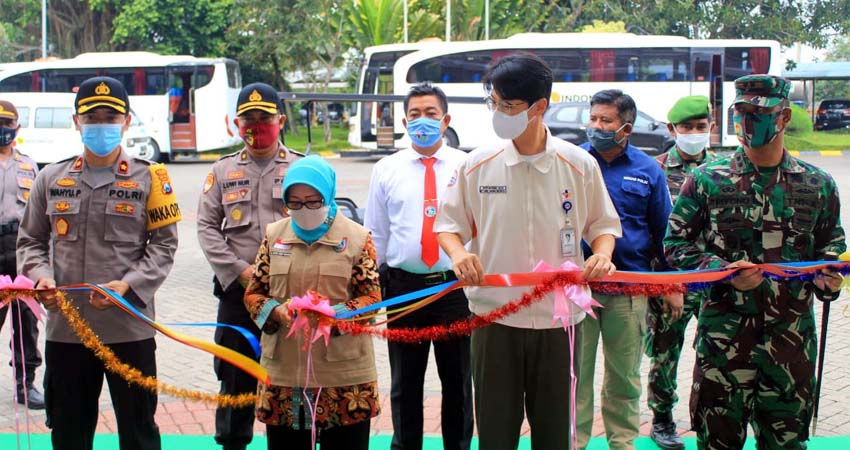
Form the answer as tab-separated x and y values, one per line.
434	278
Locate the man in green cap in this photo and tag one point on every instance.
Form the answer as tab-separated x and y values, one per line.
756	335
689	122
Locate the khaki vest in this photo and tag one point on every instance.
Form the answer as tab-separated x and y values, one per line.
325	267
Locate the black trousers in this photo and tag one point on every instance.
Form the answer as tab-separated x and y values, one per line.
348	437
72	384
408	363
25	330
234	427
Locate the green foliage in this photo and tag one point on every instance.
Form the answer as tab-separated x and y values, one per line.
801	123
194	27
600	26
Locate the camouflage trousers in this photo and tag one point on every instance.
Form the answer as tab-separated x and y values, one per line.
752	370
663	345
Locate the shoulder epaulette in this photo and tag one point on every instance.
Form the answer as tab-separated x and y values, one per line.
229	155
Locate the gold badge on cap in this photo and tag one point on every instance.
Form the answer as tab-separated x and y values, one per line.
255	96
102	89
236	215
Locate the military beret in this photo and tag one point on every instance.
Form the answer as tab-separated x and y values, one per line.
101	91
690	107
761	90
8	110
258	96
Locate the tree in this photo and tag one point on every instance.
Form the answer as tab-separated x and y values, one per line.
840	52
195	27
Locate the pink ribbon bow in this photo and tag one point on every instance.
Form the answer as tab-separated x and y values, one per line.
576	293
311	301
22	283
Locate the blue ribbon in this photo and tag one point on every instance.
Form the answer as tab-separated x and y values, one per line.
396	300
255	344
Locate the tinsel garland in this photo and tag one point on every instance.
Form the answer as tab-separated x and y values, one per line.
134	376
464	327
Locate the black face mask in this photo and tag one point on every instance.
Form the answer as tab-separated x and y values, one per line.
7	136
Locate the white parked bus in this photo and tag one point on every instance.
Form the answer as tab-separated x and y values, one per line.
655	70
186	103
48	134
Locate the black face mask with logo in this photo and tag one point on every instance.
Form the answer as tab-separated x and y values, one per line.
7	136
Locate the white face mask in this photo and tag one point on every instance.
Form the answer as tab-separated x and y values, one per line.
510	127
692	144
309	219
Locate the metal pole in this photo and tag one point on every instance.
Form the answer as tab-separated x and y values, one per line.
44	28
448	20
486	20
405	21
824	321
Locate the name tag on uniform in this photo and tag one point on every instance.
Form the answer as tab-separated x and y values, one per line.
568	242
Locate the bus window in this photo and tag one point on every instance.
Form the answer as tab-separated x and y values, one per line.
566	64
53	118
22	82
742	61
155	81
234	77
24	116
602	65
664	64
204	76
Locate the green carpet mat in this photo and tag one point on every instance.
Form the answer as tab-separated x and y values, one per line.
380	442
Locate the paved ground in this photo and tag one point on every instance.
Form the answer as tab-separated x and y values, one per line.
186	297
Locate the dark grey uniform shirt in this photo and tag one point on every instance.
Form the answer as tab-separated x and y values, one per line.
97	234
240	197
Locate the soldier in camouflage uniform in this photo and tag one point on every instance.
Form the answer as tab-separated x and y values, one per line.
756	337
689	122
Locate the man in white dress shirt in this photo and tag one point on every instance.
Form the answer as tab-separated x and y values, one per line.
526	198
403	198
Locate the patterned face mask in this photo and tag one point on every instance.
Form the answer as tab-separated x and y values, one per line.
756	130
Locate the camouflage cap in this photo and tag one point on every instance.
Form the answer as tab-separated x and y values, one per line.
689	107
761	90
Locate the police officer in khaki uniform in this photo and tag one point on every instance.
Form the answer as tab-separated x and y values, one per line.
241	195
18	173
102	217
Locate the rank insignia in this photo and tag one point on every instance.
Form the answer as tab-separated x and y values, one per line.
343	244
62	206
123	167
66	182
236	215
282	154
78	164
126	184
208	182
125	208
62	226
243	156
17	156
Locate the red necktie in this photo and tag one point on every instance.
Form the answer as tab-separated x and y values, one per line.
430	249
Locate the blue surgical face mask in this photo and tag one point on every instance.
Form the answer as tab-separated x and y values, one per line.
102	139
603	140
7	136
425	132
